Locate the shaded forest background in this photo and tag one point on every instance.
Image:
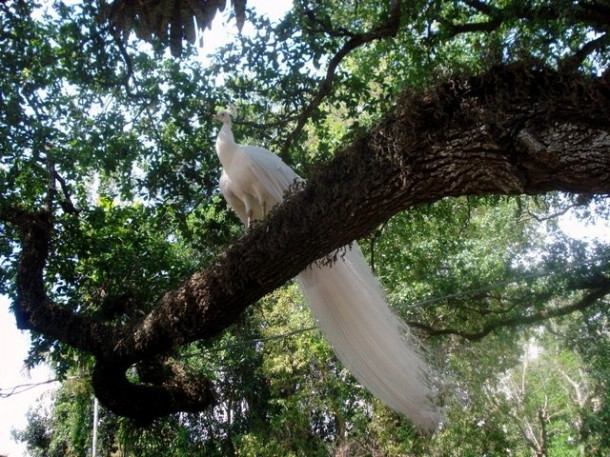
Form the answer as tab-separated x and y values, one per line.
495	115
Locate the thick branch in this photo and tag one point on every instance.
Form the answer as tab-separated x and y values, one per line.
574	61
145	402
513	131
466	138
594	14
33	309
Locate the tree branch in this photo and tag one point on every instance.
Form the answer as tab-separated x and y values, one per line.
66	202
459	139
146	402
33	309
572	62
388	29
519	321
594	14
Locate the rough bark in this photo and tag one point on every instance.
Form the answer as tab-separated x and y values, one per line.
517	130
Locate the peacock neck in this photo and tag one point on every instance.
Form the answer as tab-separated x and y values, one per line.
225	145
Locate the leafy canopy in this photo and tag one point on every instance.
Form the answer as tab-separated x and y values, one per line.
114	137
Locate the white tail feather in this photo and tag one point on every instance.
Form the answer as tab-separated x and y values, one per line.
348	302
346	298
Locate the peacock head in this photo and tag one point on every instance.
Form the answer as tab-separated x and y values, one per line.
223	116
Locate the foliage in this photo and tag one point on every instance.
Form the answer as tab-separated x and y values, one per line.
123	134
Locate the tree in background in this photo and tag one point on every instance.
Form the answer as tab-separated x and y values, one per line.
414	124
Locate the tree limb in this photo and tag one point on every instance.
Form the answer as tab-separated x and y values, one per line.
388	29
462	138
518	321
594	14
572	62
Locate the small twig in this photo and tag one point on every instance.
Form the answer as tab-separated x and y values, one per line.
373	240
66	202
54	178
6	392
129	74
554	215
51	187
252	341
340	32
